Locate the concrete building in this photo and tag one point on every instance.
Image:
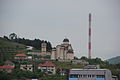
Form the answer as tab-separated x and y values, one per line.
114	78
47	67
63	51
28	67
92	67
90	74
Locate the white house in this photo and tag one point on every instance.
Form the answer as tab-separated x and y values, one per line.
47	67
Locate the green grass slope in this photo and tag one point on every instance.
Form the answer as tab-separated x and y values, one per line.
67	65
8	49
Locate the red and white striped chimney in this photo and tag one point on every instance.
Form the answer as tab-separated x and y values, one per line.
89	43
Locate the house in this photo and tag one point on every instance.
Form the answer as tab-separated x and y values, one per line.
20	57
29	57
6	68
62	72
114	78
9	63
92	67
47	67
32	79
28	67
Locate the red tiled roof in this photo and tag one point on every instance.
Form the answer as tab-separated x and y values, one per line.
47	64
6	67
20	55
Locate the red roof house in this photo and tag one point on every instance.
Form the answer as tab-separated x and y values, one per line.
47	63
47	67
6	68
20	57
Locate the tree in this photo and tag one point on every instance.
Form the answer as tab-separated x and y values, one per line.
6	37
76	58
84	58
12	36
58	71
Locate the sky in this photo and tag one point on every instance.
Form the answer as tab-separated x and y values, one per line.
53	20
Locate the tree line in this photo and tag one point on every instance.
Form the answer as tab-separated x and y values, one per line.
36	43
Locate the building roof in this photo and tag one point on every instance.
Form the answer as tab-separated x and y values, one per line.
66	40
92	67
8	62
6	67
88	69
47	63
23	55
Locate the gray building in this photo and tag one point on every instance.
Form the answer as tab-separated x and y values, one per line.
90	74
92	67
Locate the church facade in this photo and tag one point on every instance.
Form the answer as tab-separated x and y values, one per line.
63	51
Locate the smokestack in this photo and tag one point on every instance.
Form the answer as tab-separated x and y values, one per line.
89	43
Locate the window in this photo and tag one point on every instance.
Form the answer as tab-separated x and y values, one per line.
73	76
93	75
51	69
84	76
80	75
100	76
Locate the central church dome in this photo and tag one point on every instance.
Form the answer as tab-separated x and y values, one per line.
66	40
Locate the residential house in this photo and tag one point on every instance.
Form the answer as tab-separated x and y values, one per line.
63	72
7	67
47	67
9	63
20	57
92	67
28	67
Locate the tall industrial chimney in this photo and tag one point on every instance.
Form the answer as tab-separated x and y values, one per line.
89	42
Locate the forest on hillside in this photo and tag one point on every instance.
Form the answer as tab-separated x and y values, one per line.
11	45
36	43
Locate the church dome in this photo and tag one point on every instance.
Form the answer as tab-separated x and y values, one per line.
66	40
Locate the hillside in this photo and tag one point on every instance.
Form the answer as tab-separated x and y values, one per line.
114	60
9	48
67	65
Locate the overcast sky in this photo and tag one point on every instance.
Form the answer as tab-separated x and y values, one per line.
53	20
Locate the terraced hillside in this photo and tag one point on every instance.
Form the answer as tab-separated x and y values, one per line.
8	49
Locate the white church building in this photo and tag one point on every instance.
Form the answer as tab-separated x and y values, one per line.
63	51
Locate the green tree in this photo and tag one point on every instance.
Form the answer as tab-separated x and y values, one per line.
12	36
84	58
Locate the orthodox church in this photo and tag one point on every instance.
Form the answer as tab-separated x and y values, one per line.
63	51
